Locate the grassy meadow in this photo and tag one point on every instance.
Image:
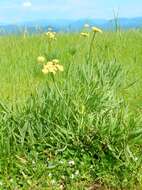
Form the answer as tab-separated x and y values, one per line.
80	128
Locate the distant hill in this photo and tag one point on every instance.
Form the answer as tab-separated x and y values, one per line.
64	25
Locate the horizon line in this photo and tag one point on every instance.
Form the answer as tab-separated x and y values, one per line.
66	19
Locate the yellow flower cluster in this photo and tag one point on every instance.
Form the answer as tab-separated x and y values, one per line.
51	35
84	34
52	67
95	29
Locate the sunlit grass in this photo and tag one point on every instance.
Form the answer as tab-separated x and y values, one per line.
19	70
76	128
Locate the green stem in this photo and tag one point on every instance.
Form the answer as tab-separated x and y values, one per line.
49	46
91	45
69	66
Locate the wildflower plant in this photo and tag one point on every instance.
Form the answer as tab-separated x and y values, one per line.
51	37
95	30
74	130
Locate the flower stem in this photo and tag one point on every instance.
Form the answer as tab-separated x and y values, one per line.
90	48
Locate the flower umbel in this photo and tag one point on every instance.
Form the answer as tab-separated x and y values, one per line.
51	35
60	67
84	34
55	61
52	67
95	29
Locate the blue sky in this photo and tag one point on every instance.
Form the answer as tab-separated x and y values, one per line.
20	10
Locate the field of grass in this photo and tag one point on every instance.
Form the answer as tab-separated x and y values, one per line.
76	128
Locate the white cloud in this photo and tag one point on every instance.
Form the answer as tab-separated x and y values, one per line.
27	4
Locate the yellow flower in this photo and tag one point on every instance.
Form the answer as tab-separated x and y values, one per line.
45	71
41	60
48	33
55	61
84	34
49	69
48	65
86	25
52	67
52	70
95	29
60	67
51	35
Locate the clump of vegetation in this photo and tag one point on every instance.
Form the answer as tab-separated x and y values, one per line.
76	130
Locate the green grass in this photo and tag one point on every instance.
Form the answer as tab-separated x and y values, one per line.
90	113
